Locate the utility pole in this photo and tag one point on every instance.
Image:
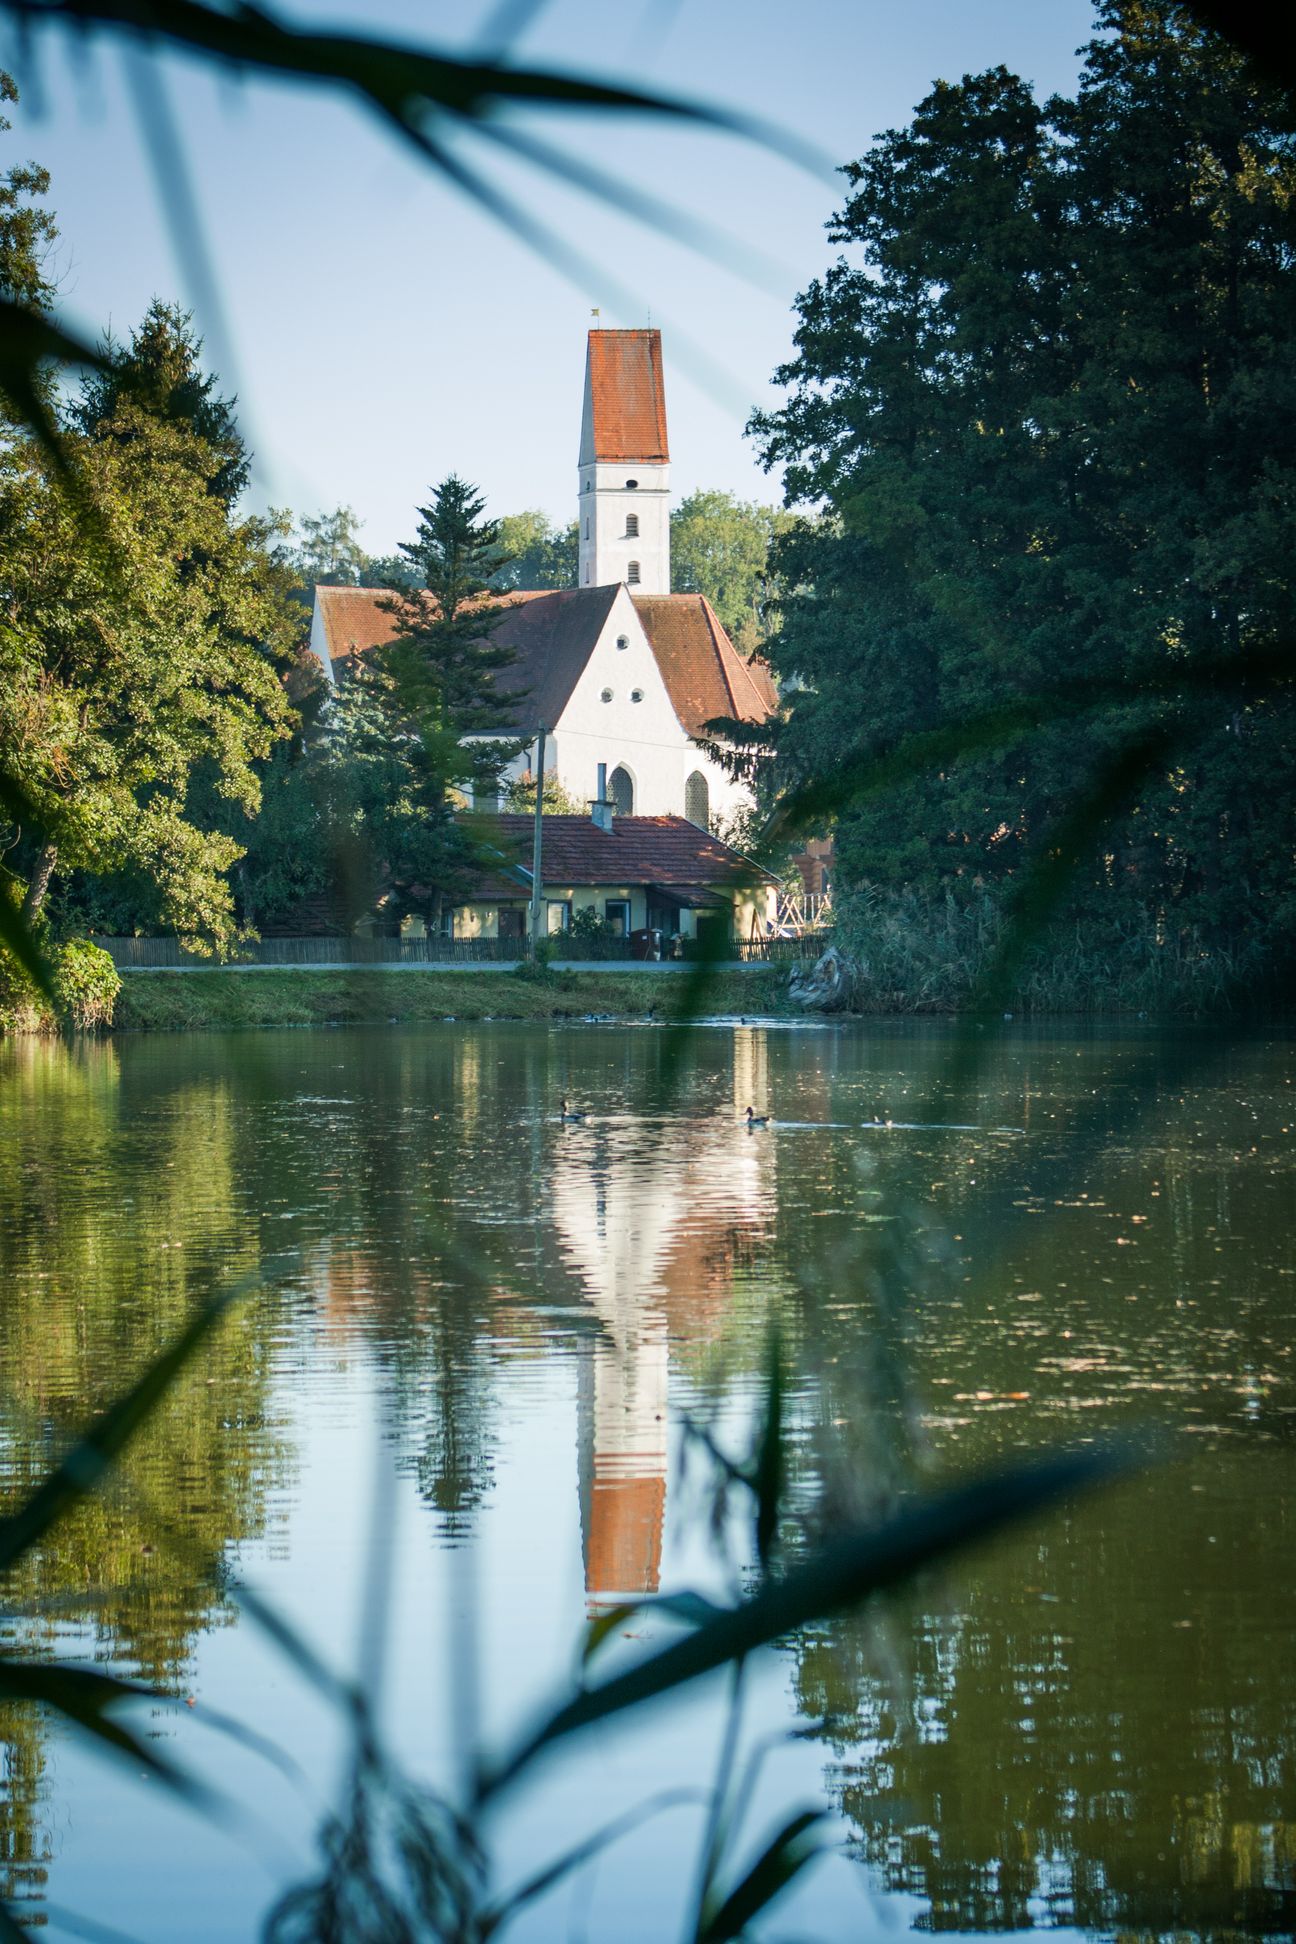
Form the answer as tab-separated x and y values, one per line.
537	867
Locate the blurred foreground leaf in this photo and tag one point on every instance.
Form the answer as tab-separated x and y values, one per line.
837	1577
107	1435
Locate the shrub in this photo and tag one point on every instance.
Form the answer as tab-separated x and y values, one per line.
86	984
590	936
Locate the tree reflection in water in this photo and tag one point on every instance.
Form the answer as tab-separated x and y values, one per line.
96	1284
1092	1725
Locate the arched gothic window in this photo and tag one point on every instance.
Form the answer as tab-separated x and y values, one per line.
632	526
621	791
697	800
632	573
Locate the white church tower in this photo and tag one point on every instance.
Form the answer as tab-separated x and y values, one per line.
624	517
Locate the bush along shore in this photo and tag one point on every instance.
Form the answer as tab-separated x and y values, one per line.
178	1001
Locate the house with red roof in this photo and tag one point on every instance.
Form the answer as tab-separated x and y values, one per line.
661	874
619	671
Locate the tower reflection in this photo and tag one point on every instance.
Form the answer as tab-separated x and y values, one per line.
653	1222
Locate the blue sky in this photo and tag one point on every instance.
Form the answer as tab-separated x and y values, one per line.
384	332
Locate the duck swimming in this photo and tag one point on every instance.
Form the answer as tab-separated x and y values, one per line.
757	1120
574	1115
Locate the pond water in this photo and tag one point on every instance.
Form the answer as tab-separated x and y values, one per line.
453	1425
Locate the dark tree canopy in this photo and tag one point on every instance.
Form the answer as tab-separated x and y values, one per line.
1047	398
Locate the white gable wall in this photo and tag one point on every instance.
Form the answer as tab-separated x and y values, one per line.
646	738
319	639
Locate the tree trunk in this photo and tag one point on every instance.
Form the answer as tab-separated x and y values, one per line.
46	859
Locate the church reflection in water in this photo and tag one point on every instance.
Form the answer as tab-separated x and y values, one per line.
654	1221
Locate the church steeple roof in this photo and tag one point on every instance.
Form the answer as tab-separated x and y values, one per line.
625	399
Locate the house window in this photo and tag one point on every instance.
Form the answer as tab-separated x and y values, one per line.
636	695
632	573
557	916
606	695
623	641
697	800
621	791
632	526
587	526
617	913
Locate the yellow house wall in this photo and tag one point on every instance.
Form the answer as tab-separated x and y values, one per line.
482	921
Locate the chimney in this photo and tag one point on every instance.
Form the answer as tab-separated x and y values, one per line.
601	807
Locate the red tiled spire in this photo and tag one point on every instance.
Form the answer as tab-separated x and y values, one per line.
625	398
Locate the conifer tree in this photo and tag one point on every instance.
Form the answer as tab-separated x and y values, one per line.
160	371
443	664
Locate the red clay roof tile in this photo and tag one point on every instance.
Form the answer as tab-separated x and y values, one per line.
666	851
627	395
703	671
553	635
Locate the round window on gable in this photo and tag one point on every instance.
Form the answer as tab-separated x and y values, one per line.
623	641
607	695
631	484
636	695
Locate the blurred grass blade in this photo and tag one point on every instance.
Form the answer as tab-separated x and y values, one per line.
83	1696
178	196
101	1441
553	1873
1267	36
28	340
18	939
692	1608
973	735
1045	881
16	935
784	1858
1036	898
699	982
767	1482
839	1576
707	239
399	80
88	1928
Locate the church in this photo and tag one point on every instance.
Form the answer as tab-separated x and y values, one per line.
622	674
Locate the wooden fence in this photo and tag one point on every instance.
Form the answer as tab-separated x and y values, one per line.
159	954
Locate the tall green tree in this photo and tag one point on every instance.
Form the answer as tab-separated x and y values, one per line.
328	552
1046	395
27	228
160	374
540	554
423	722
444	661
720	547
142	665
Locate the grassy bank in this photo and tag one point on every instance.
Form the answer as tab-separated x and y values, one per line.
180	1001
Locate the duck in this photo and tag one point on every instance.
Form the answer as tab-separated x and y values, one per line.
757	1120
563	1115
